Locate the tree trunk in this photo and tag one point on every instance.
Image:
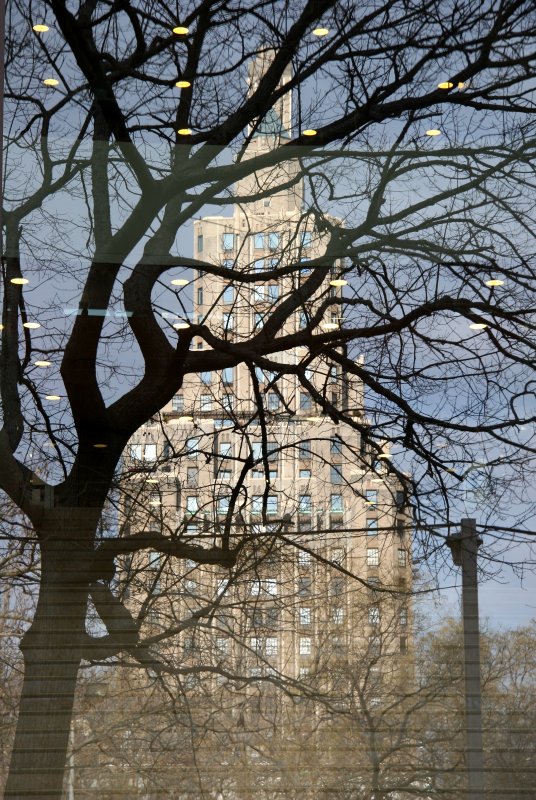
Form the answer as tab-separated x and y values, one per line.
52	650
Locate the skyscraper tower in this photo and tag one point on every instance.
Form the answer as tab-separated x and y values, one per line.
271	451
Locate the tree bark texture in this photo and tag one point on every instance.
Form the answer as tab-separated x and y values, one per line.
52	650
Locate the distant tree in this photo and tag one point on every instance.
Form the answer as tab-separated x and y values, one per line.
120	131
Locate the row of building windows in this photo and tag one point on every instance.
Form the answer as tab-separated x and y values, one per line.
270	240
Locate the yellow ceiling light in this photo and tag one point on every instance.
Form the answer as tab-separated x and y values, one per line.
31	325
384	455
338	282
181	30
19	281
461	85
51	81
494	282
181	326
183	84
445	85
52	397
180	282
40	27
100	445
42	363
478	326
320	32
184	131
309	132
433	132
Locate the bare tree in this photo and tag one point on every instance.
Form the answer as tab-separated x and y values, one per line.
126	120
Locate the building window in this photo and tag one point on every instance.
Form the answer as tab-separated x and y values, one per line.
258	322
206	378
228	402
305	473
257	294
304	504
303	320
373	557
403	644
136	452
223	505
337	615
306	238
258	266
305	401
228	241
400	499
336	587
222	644
374	615
271	646
206	402
305	645
228	263
273	241
177	402
403	617
336	503
227	375
273	292
226	449
304	449
200	296
259	241
228	294
402	558
192	445
372	526
192	505
227	321
199	242
154	559
192	476
273	401
337	555
335	447
304	558
305	616
272	504
371	498
304	672
335	475
150	452
304	585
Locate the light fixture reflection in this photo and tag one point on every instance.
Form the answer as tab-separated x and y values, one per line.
181	30
100	445
40	27
151	480
181	326
31	325
51	81
445	85
309	132
320	32
184	131
338	282
52	397
19	281
384	455
329	326
180	420
180	282
42	363
478	326
183	84
494	282
433	132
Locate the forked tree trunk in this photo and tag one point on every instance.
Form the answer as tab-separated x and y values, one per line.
52	650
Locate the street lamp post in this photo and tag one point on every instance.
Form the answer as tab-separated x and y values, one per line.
464	546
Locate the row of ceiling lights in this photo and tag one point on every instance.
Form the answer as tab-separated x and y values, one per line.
184	84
